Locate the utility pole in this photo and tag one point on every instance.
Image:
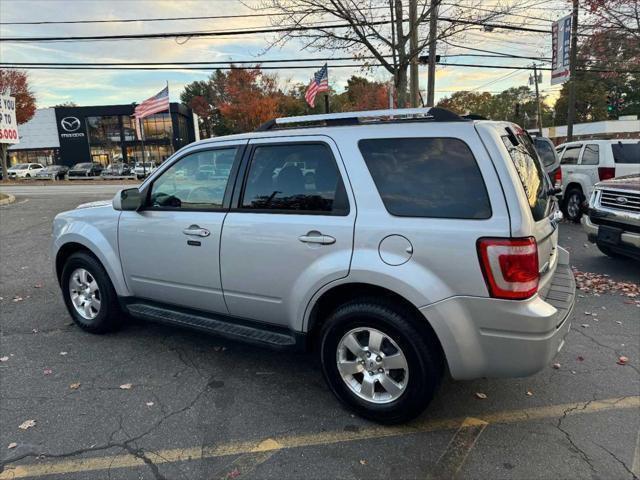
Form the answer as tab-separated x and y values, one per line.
571	113
431	71
539	108
414	81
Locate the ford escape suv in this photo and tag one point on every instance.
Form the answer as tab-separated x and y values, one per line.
396	244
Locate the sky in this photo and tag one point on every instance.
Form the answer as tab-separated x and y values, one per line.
99	87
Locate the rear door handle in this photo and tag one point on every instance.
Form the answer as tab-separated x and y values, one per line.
317	238
196	231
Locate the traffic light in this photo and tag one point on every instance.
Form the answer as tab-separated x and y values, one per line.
611	104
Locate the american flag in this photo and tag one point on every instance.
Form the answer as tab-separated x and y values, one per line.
155	104
320	83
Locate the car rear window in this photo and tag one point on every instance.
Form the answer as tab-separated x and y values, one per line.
546	152
427	177
626	152
531	174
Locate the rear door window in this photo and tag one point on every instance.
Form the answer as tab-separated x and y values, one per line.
546	152
427	177
591	154
626	152
570	155
531	174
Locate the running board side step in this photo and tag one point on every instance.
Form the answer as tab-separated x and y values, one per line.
227	327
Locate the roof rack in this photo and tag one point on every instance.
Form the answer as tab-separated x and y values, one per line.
435	114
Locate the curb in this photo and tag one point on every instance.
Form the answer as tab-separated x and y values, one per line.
6	201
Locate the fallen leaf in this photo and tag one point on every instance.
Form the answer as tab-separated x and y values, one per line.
4	359
27	424
556	366
37	285
529	393
587	313
35	330
481	395
580	358
622	360
149	404
363	462
48	371
235	473
17	298
12	445
585	325
74	386
126	386
618	322
63	353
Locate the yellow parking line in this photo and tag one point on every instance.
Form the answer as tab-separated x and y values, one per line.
247	463
458	449
308	440
635	465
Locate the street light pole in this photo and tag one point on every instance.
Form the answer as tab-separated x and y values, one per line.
433	34
414	82
571	113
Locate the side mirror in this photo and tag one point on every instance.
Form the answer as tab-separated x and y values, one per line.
129	199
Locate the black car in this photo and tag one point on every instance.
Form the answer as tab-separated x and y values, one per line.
116	170
85	170
52	172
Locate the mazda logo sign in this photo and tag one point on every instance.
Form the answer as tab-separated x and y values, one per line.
70	124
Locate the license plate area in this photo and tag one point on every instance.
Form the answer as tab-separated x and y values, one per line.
609	235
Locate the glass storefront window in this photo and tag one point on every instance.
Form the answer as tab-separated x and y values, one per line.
104	129
41	156
157	127
152	153
106	155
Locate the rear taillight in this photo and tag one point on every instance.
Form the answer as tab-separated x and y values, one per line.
605	173
557	177
510	266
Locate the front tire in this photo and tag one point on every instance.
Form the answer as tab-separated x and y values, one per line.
89	294
378	360
573	201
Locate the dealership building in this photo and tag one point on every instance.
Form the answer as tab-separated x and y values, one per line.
103	134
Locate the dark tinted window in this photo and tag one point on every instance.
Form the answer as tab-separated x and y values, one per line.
591	154
295	177
192	182
570	155
533	180
427	177
626	152
546	151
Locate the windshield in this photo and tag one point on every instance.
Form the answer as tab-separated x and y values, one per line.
545	151
626	152
82	165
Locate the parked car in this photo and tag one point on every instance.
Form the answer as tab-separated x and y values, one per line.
24	170
116	170
613	220
547	152
87	169
52	172
426	242
143	170
586	162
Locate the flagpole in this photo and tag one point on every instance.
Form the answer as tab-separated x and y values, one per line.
326	95
144	165
171	120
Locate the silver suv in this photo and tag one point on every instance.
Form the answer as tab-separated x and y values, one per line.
410	242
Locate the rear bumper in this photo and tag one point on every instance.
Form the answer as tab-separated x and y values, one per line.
487	337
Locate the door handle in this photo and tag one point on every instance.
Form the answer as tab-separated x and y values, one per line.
196	231
317	238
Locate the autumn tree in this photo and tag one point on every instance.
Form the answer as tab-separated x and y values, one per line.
622	16
362	94
375	28
16	84
465	102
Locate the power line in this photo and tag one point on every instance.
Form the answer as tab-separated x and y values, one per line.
224	33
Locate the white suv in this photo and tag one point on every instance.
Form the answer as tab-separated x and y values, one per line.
587	162
24	170
409	242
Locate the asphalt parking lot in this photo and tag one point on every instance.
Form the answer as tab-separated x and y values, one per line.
152	402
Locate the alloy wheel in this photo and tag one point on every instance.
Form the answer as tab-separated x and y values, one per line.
85	293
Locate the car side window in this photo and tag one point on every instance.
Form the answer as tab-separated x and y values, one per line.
195	182
570	155
294	178
591	154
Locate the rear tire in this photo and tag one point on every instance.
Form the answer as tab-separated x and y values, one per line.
377	383
89	294
572	204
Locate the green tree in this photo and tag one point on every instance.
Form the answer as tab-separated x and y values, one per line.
464	102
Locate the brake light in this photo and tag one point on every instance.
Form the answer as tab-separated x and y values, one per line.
605	173
510	266
557	177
